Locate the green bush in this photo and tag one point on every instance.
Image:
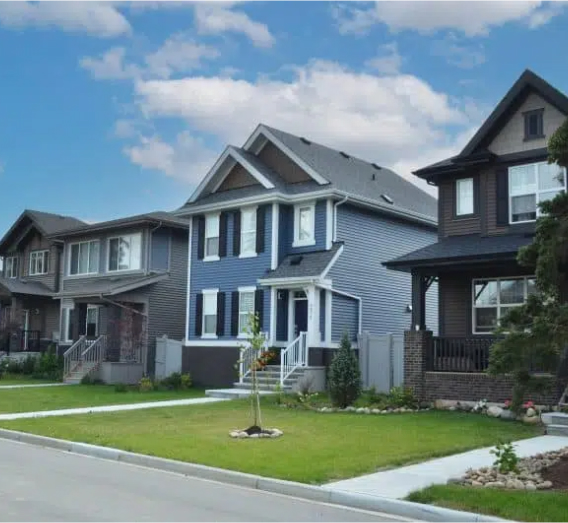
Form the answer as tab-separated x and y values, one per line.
402	397
145	385
344	379
48	366
28	365
176	381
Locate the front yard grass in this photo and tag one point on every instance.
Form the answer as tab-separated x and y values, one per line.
19	379
512	505
72	396
315	448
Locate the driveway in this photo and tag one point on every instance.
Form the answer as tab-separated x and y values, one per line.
38	484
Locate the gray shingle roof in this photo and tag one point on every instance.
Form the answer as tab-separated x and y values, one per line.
53	223
306	265
16	286
462	248
113	286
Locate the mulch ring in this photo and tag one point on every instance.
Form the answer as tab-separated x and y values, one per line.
558	474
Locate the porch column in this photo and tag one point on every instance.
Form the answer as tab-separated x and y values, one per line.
419	282
417	345
314	335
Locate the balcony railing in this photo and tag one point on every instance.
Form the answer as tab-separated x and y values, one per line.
459	354
29	340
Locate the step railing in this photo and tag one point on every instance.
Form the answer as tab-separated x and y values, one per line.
94	354
84	354
293	356
72	356
247	357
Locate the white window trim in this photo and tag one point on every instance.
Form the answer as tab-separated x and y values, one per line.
209	292
65	319
215	257
69	258
45	254
510	197
498	305
11	275
118	236
457	196
243	335
248	254
312	240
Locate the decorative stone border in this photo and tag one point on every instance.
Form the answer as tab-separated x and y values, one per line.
266	433
528	476
493	410
368	410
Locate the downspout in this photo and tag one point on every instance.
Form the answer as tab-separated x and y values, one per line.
187	300
335	216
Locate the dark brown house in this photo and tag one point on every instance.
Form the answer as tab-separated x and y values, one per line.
488	204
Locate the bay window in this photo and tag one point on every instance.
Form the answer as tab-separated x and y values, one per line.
531	184
492	298
125	253
84	258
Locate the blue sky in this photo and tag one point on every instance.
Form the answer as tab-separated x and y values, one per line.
117	108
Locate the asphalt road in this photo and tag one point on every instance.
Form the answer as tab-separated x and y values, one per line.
38	484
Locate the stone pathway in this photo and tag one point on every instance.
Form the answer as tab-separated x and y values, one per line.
33	385
399	483
108	408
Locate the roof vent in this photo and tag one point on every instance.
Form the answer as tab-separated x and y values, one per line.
306	141
296	260
378	167
387	198
345	155
373	176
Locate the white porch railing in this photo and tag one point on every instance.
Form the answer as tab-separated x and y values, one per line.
72	356
293	356
84	354
247	356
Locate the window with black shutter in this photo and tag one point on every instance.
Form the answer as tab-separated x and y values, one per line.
200	226
221	314
502	197
235	313
260	228
259	306
223	235
199	314
236	233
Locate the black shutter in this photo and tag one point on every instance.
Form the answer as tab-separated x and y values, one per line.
235	313
260	227
237	233
220	314
198	314
200	222
223	235
259	306
502	196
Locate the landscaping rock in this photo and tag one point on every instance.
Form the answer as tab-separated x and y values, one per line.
476	484
532	420
507	414
530	486
531	412
494	411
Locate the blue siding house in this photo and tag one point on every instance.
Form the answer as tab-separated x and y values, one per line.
297	232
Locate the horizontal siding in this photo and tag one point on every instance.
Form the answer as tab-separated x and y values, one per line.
286	230
454	225
370	239
344	318
230	273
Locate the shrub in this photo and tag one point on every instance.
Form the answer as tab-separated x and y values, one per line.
186	382
11	366
48	366
120	387
28	364
402	397
145	385
176	381
506	458
344	378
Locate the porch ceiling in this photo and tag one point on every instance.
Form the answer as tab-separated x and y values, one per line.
10	286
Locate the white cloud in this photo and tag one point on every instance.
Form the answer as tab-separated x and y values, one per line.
219	17
95	18
379	118
471	18
389	60
187	158
110	65
455	53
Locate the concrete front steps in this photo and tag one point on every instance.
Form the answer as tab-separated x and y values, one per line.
80	370
556	423
268	383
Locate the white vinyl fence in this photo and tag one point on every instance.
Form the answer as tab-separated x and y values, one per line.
168	357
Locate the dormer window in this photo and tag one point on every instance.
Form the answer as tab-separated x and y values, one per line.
11	263
304	224
534	124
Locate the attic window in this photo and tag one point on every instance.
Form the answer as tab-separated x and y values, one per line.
534	127
387	198
378	167
306	141
296	260
345	155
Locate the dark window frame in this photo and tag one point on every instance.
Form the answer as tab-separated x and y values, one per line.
539	113
475	212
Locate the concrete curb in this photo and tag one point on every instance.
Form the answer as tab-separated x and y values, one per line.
396	507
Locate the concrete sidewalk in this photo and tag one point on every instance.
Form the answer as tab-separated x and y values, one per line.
33	385
108	408
399	483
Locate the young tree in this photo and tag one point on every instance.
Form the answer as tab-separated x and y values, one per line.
535	335
344	378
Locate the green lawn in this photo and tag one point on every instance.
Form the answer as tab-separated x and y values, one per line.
315	448
513	505
19	379
52	398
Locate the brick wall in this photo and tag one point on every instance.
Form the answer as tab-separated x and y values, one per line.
415	346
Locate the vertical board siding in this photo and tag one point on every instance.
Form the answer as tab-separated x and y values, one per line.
160	249
287	230
322	315
230	273
369	240
344	318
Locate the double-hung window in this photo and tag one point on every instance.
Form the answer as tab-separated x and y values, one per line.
209	313
304	224
246	308
125	253
212	237
11	263
464	196
84	258
39	262
248	232
492	298
531	184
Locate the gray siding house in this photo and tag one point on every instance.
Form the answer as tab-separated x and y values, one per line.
122	284
297	232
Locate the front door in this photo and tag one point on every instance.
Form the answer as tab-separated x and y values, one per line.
300	316
92	321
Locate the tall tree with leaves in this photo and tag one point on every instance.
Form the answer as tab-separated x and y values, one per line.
535	335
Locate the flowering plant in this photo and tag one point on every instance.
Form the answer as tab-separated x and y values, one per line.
508	404
263	360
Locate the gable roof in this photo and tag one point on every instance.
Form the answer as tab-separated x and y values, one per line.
475	150
46	223
156	217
